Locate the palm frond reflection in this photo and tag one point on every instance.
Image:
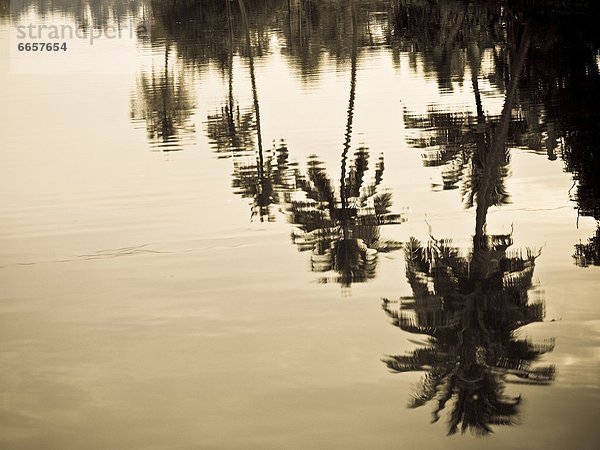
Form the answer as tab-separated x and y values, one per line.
472	305
342	228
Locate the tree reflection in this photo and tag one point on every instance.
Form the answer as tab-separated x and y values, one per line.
266	181
588	254
442	33
567	92
309	29
165	103
557	111
342	229
314	29
472	305
263	176
456	141
88	14
201	30
230	130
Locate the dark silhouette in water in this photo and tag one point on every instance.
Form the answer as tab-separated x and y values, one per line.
165	104
588	254
266	181
559	89
555	114
315	28
262	175
231	131
260	185
455	140
569	92
201	32
441	32
471	306
343	229
560	93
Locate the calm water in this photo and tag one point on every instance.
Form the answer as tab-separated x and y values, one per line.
303	224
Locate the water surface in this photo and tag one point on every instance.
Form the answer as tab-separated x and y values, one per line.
277	224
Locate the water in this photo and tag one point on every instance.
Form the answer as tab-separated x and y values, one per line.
200	222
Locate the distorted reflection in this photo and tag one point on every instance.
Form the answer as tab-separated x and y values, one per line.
164	102
266	180
201	31
88	14
557	111
231	131
314	28
471	305
342	229
262	176
565	95
588	254
455	140
445	34
570	93
192	330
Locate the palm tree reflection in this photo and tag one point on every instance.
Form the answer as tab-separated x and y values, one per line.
231	131
259	174
343	229
471	306
266	181
165	103
439	32
456	141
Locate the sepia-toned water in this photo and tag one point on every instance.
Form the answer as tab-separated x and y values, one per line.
300	224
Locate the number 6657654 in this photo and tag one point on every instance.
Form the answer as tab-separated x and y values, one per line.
41	46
